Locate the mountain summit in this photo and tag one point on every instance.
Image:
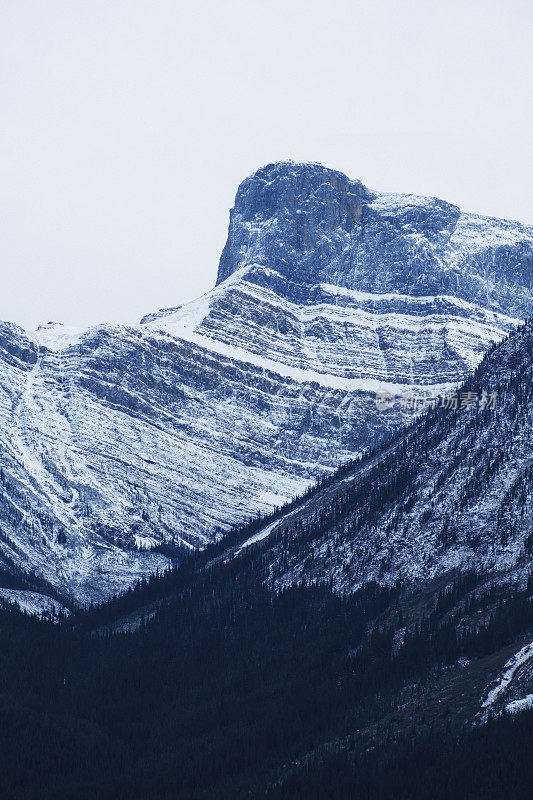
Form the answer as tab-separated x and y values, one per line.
313	225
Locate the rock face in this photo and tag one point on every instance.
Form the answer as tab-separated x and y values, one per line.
117	439
313	226
455	489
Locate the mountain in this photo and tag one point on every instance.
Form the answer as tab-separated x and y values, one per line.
122	445
280	667
452	490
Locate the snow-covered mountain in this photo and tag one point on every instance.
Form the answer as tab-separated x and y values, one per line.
451	491
117	439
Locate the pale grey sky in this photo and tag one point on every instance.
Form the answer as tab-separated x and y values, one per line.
128	124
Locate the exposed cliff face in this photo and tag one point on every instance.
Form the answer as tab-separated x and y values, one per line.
295	219
117	438
313	225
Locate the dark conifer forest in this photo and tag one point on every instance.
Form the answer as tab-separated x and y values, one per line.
232	691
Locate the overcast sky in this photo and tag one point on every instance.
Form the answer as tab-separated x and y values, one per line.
126	126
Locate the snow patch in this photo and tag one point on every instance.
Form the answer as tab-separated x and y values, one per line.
508	673
55	336
520	705
144	542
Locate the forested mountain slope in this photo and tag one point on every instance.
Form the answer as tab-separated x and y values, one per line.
454	489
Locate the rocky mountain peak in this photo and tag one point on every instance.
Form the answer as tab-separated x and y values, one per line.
292	217
313	225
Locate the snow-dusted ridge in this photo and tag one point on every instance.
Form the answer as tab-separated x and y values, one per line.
33	603
452	491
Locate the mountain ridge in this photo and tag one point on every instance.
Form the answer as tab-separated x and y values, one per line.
480	495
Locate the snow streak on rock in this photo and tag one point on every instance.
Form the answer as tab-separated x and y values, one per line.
509	671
